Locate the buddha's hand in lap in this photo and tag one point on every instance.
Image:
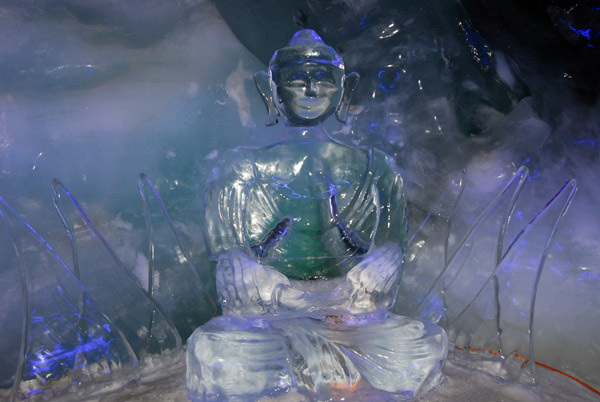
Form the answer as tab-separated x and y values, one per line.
246	287
373	282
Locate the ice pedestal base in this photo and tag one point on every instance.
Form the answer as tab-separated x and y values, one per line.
234	357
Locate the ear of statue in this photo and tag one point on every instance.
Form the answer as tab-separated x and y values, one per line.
261	79
350	83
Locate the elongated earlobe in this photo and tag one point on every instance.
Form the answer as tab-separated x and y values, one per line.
350	83
261	79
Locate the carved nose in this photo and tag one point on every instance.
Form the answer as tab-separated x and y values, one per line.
311	88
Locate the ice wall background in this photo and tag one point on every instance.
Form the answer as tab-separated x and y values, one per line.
94	94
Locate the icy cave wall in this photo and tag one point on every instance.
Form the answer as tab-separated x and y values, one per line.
95	94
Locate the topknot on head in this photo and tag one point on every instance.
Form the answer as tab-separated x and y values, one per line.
305	37
305	46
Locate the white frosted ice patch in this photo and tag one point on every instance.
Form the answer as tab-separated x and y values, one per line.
119	223
488	170
504	70
212	155
193	89
140	270
236	89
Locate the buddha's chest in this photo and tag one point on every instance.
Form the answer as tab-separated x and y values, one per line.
306	197
303	190
292	212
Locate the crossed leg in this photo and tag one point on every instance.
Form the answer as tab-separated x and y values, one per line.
235	356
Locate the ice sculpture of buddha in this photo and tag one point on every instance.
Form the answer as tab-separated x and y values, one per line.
308	236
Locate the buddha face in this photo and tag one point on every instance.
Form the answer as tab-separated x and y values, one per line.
308	93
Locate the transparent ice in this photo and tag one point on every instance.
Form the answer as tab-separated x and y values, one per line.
308	237
95	93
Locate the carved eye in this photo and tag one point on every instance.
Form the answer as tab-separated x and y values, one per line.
297	78
323	76
297	83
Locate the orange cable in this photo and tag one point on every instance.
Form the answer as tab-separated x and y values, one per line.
570	376
539	364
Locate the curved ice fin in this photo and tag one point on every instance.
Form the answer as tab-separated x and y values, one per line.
184	291
67	342
498	323
470	266
146	327
426	254
13	322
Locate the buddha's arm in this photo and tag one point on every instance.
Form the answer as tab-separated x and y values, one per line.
261	248
226	201
393	219
370	285
246	287
351	238
377	212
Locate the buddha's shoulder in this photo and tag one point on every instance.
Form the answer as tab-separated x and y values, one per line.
233	164
245	162
323	149
237	154
382	158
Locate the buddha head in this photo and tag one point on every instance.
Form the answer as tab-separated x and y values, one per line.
306	82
